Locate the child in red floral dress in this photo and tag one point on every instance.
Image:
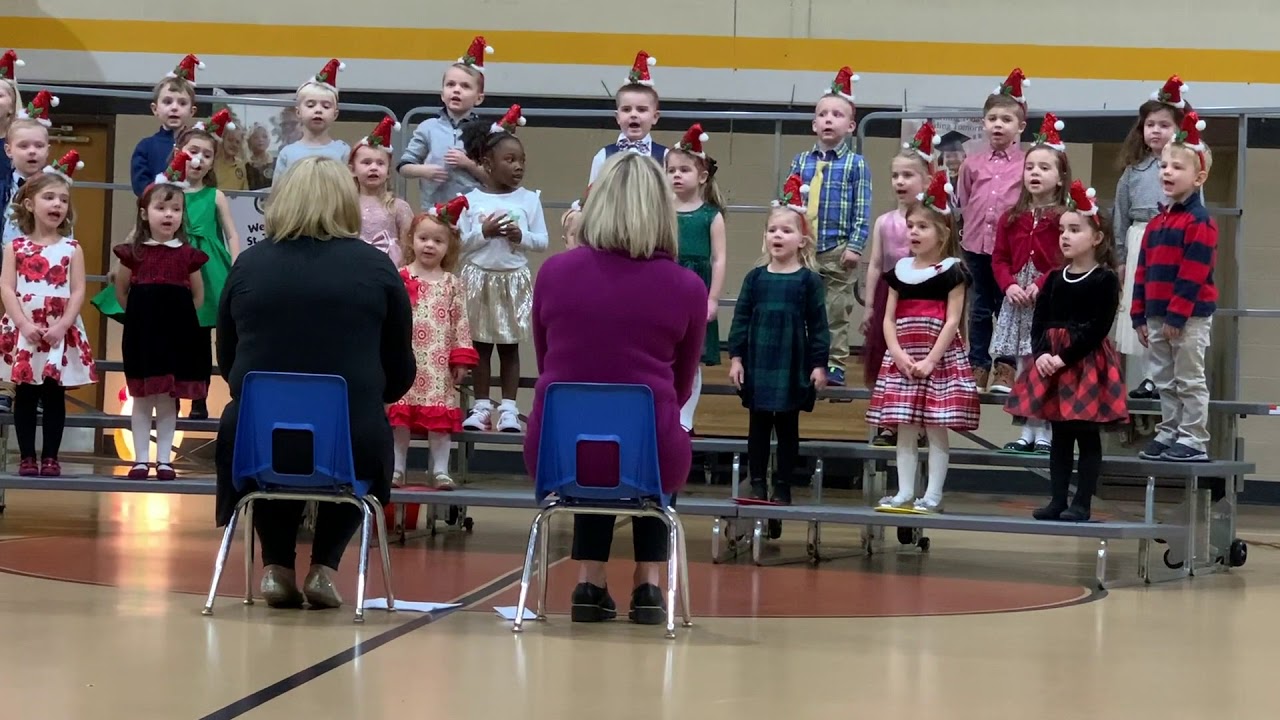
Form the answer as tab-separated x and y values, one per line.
441	340
43	346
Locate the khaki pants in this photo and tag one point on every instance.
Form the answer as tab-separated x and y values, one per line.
839	286
1177	368
6	390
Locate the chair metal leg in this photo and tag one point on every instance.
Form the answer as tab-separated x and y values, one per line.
362	574
530	557
219	562
248	553
544	561
380	518
673	573
684	572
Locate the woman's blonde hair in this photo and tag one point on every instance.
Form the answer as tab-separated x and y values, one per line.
11	88
808	253
316	199
631	209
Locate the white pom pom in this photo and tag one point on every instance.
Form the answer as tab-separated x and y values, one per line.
433	212
521	121
1200	125
1059	125
488	50
949	188
704	137
396	126
1155	95
55	101
937	139
906	146
200	64
804	189
1184	88
1090	193
854	78
342	66
775	203
997	91
230	126
80	165
652	61
19	63
1026	82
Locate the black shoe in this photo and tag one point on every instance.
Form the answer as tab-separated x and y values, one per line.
1184	453
646	605
592	604
1146	390
781	492
1075	513
759	490
1154	450
199	410
1052	511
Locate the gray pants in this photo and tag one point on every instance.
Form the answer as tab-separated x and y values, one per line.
1177	368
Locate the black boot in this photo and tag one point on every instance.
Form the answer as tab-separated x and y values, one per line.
199	410
781	491
1060	460
759	489
1087	469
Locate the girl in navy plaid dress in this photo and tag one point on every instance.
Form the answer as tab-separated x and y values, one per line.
1075	383
925	382
779	341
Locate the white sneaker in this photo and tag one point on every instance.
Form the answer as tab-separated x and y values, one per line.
479	417
508	420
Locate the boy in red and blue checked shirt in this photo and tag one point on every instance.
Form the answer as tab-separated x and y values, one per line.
1174	298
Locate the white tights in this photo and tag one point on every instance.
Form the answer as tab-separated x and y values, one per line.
438	442
909	461
166	413
686	412
1035	429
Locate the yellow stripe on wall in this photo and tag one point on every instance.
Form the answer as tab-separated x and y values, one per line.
693	51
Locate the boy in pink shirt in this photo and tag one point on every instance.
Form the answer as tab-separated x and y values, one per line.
990	179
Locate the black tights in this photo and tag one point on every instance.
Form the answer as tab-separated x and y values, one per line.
761	427
27	398
508	370
277	523
1066	435
593	538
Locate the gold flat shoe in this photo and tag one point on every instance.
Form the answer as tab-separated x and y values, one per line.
444	482
280	587
320	589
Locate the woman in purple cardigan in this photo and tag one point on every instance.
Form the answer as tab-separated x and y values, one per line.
618	309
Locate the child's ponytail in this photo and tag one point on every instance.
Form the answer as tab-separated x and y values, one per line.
711	193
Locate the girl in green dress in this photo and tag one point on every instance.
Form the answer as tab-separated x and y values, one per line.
702	238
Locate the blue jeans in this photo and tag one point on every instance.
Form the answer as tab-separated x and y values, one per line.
984	305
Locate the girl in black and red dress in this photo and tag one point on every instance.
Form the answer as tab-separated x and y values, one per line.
1075	382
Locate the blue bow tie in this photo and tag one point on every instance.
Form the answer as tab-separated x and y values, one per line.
640	146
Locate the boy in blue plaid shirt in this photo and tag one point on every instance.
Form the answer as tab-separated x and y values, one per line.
839	209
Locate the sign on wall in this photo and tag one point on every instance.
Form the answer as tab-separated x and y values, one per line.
246	211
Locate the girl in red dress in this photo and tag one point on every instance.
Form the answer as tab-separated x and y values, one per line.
441	341
1075	383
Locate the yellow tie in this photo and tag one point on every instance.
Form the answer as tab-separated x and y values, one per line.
815	191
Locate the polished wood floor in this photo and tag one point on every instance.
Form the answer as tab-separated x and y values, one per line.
100	602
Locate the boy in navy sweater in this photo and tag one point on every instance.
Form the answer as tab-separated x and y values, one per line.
174	105
1174	298
637	114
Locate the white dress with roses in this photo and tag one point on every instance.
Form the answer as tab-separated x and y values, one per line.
44	287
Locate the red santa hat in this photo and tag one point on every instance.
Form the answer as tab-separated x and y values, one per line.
218	125
639	74
66	166
381	135
1012	86
926	137
38	108
509	122
1172	92
938	195
1048	135
8	62
474	57
692	141
843	84
327	78
1081	200
186	69
176	173
1189	133
450	212
794	193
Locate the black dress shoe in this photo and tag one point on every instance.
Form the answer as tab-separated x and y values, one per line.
646	605
592	604
781	492
199	410
759	489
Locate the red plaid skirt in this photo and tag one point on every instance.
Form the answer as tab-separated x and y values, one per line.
1090	390
947	398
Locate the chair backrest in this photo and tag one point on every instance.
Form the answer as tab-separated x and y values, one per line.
304	419
599	442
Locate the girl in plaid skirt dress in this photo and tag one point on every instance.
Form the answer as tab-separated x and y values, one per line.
925	382
1075	383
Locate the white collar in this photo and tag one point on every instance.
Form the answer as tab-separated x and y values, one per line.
911	275
174	243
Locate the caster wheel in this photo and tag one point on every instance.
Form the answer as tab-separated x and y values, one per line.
923	544
906	536
468	524
775	529
1239	553
1168	560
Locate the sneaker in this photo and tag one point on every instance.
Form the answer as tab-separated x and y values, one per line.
592	604
928	507
646	606
28	467
1154	450
508	420
1184	453
835	376
1002	378
480	417
981	378
49	467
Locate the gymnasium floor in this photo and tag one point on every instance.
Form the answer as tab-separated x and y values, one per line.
100	602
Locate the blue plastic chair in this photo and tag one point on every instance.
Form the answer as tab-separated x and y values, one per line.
313	410
598	454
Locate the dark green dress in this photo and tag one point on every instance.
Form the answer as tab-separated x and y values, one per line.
780	332
695	254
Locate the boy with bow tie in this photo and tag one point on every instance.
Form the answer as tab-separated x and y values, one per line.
637	113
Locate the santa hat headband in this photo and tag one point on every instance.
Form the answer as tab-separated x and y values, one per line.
1012	86
450	212
66	166
1048	135
794	196
514	118
186	69
218	125
692	141
381	136
1172	93
8	62
327	78
938	195
639	74
577	205
1189	134
1081	200
38	108
474	58
176	173
926	137
843	84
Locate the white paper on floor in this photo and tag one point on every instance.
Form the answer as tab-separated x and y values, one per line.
509	613
426	607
